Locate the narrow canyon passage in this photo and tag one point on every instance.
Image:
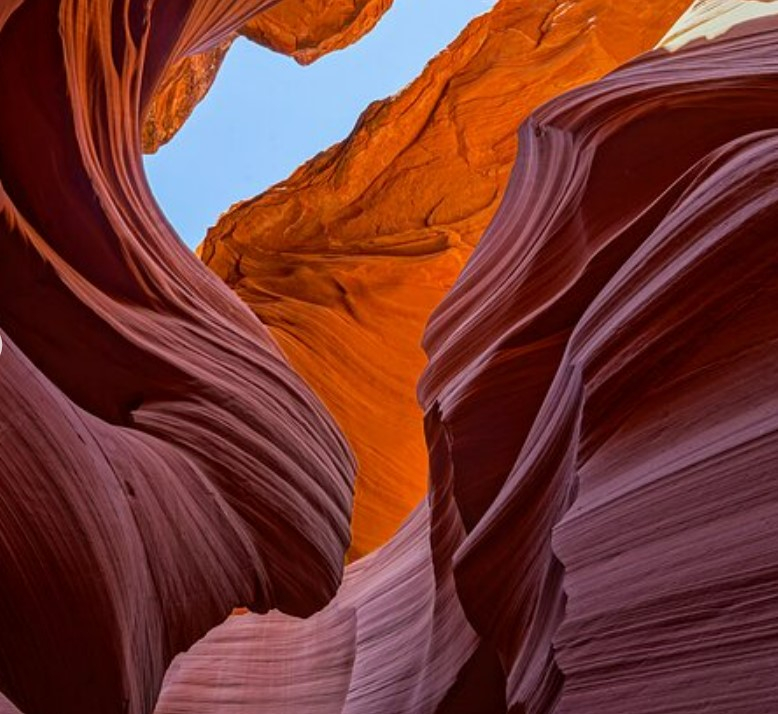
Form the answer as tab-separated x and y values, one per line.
523	383
346	260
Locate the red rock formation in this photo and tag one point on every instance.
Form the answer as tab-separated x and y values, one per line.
160	461
639	308
346	260
600	415
347	658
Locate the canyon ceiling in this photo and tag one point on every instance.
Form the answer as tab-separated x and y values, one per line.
476	412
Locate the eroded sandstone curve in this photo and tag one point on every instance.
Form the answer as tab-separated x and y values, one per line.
161	462
626	291
600	415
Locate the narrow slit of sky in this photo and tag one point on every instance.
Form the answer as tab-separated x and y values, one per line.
265	114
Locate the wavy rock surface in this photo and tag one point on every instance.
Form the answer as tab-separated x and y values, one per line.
627	288
620	556
303	29
600	410
161	463
346	260
347	658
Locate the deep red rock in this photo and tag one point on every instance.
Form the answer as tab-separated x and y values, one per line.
622	559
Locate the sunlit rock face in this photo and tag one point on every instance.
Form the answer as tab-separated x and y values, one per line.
183	85
346	260
308	29
598	534
707	19
161	463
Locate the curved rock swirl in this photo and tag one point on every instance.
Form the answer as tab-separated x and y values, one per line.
624	299
600	532
611	519
161	463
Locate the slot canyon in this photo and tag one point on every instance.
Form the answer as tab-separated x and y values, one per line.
474	413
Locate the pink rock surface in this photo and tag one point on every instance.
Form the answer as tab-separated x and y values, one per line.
393	640
624	298
160	461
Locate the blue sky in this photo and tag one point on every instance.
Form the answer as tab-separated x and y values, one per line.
265	114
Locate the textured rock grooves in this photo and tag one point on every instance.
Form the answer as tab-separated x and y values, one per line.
346	259
637	335
600	530
160	461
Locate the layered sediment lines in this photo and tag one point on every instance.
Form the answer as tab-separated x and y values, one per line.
608	516
161	463
346	260
347	658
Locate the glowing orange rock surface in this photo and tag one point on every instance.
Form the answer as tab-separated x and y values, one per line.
183	86
599	533
308	29
610	518
347	258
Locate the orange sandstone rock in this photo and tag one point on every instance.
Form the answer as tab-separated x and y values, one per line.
308	29
347	258
183	86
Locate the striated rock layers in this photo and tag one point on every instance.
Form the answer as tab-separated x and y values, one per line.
160	463
599	534
609	515
346	260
